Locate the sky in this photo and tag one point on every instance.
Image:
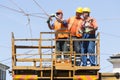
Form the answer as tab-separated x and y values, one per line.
106	12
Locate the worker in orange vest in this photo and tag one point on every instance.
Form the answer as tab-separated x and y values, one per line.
89	28
59	25
75	27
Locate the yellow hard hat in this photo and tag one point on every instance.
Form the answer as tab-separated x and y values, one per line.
86	9
79	10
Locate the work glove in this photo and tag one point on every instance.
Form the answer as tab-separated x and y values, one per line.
48	21
50	18
52	15
88	30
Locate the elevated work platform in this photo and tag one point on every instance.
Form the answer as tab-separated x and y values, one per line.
36	58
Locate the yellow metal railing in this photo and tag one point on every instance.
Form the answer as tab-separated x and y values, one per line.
44	44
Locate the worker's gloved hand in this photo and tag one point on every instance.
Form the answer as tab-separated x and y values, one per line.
52	15
48	21
88	30
50	18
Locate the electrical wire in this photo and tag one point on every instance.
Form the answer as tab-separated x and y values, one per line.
14	10
6	59
38	16
5	46
38	13
109	19
28	24
17	6
46	15
35	55
40	7
112	35
11	57
27	15
22	11
24	53
10	8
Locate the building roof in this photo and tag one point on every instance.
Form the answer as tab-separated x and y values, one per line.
114	58
117	56
6	67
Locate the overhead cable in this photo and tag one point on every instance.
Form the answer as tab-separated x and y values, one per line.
38	16
29	26
109	34
24	53
11	9
41	8
17	6
27	15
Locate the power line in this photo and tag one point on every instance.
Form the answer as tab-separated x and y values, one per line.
35	55
29	26
27	15
38	16
6	59
5	46
24	53
17	6
112	35
14	10
23	12
10	8
11	57
41	8
108	19
38	13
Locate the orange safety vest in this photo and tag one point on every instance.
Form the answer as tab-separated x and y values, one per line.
59	27
74	26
